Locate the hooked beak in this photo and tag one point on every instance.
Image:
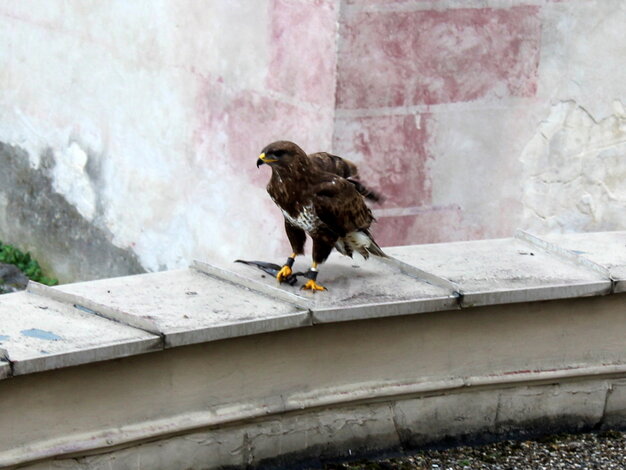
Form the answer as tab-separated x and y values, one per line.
264	159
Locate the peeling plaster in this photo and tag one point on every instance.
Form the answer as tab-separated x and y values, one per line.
574	172
36	217
71	180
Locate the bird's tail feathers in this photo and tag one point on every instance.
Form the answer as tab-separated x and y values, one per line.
360	241
374	249
342	248
366	192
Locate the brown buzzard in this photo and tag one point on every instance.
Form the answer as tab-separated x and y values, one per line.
319	195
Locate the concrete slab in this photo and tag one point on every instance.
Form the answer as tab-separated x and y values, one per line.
359	289
431	419
561	253
39	334
604	248
503	271
189	307
551	405
87	305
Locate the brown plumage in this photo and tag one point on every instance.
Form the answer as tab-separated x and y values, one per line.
344	168
320	195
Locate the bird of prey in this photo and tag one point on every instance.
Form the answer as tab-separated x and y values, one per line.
319	195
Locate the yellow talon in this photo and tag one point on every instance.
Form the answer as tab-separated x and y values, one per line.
313	286
283	274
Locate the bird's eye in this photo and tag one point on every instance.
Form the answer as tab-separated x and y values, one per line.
278	153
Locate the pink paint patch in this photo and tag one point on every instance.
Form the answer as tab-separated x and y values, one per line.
391	155
429	226
362	3
427	57
303	59
234	127
255	121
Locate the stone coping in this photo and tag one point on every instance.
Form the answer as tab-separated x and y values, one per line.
186	306
39	333
507	270
47	328
607	249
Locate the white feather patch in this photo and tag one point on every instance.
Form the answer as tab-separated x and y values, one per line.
354	242
306	220
357	240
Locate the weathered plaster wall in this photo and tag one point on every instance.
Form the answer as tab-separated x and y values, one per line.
152	114
480	117
33	213
574	164
143	120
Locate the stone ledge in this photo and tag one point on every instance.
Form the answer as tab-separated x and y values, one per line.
137	314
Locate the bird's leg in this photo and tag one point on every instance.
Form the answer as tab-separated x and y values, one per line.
311	284
323	244
285	271
297	238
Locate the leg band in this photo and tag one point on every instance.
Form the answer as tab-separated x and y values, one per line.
289	262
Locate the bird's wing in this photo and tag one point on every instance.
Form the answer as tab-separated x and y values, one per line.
333	164
346	169
340	207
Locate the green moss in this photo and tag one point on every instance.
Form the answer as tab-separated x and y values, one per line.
29	266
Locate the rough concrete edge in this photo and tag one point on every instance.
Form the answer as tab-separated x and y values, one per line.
95	308
86	355
77	445
364	391
251	284
371	430
6	366
477	416
615	405
385	309
535	294
564	254
293	320
5	370
424	276
619	286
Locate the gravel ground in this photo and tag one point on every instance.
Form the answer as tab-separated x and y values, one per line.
602	451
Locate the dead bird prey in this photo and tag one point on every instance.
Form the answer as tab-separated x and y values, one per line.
319	195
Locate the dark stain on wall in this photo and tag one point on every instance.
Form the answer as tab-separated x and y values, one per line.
36	218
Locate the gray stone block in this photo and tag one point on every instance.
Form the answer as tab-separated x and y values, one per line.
446	418
546	408
615	411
